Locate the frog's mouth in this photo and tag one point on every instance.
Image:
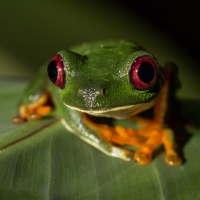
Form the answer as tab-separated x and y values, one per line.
119	112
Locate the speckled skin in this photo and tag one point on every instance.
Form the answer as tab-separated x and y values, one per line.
98	83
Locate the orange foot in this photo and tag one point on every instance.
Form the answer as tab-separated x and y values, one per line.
35	110
147	138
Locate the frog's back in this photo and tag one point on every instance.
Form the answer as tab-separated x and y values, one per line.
87	48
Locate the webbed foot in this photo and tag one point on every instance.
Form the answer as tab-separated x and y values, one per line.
173	160
34	110
142	157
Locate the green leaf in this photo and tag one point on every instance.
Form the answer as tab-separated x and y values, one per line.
42	160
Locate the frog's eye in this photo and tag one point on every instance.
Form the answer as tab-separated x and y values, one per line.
56	71
143	72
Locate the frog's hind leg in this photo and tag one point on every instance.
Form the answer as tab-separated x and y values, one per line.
158	133
36	102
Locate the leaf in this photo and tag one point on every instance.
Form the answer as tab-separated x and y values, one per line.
42	160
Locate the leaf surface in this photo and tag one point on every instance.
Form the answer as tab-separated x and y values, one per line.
42	160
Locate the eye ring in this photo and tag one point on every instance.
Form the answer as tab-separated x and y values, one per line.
56	71
143	72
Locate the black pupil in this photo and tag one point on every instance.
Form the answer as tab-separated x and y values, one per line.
146	72
52	71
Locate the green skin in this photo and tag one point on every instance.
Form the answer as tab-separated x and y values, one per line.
98	83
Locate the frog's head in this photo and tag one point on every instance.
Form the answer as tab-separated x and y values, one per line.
114	81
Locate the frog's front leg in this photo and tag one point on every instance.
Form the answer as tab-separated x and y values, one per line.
35	110
80	124
146	138
122	136
36	101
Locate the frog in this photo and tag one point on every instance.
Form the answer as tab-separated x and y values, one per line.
111	79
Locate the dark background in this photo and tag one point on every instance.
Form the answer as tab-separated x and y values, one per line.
33	31
180	20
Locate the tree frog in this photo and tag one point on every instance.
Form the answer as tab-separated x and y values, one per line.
111	79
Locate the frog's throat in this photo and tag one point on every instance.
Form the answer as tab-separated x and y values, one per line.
123	112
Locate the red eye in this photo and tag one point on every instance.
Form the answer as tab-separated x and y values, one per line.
56	71
144	72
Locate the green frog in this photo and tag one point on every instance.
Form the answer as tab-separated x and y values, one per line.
111	79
